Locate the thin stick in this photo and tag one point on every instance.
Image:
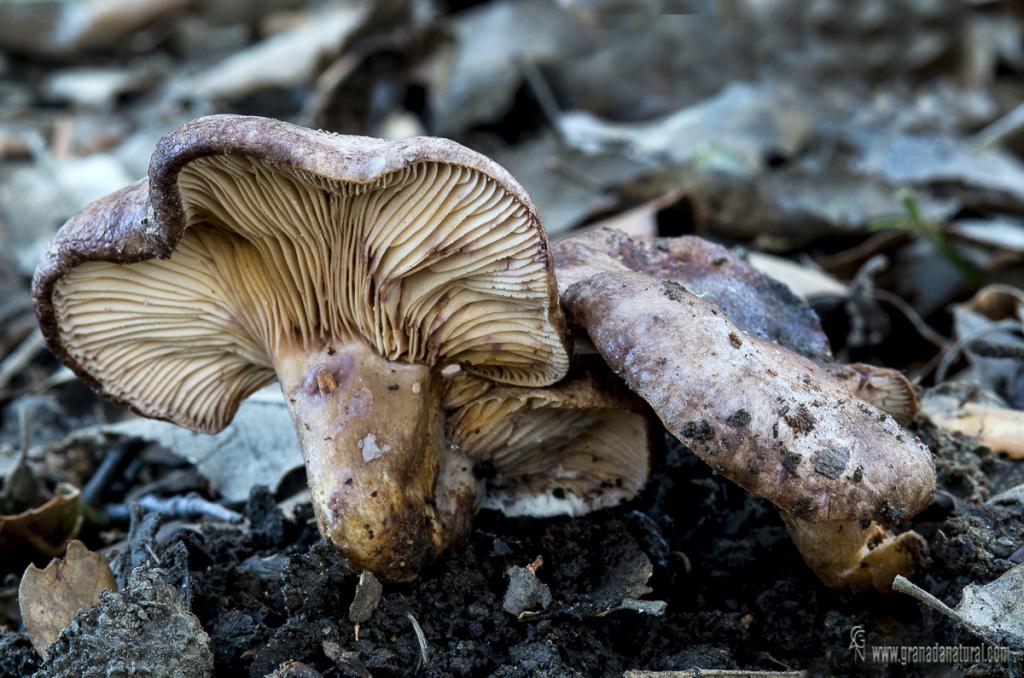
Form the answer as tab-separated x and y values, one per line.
543	94
714	673
953	351
422	640
111	463
998	131
20	357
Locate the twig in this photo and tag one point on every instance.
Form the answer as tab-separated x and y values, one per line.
998	131
714	673
325	86
543	94
422	640
21	488
986	350
20	357
926	332
37	147
903	585
189	506
952	352
23	428
111	463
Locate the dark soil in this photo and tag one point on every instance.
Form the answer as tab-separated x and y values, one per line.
737	593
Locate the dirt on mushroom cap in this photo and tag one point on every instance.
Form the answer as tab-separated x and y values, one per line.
770	420
757	303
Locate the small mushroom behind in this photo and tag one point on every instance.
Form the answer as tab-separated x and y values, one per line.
776	423
350	270
581	445
885	388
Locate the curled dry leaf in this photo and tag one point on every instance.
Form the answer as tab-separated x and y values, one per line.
258	447
737	127
50	598
287	59
989	329
45	530
804	281
998	302
65	28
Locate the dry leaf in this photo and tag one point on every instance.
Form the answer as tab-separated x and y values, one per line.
287	59
968	410
999	428
998	302
257	448
994	611
46	529
50	598
806	282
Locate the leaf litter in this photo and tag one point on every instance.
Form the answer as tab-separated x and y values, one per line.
784	146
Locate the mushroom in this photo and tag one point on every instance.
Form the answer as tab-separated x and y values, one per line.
581	445
776	423
758	304
351	270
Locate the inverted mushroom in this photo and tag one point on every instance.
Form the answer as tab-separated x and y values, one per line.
349	269
776	423
568	449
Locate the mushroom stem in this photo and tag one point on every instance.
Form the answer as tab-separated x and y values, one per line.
371	435
843	554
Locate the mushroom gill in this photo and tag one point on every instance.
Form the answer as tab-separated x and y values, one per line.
429	264
575	447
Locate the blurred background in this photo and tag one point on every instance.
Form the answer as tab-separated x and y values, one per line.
825	131
868	154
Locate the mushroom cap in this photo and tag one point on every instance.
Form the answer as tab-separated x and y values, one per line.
575	447
756	302
774	422
173	295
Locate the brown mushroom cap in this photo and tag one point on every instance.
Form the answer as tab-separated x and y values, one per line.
772	421
252	232
575	447
757	303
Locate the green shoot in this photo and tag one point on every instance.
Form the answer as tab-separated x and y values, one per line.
916	225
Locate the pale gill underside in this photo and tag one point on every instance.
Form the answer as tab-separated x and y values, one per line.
589	457
432	264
